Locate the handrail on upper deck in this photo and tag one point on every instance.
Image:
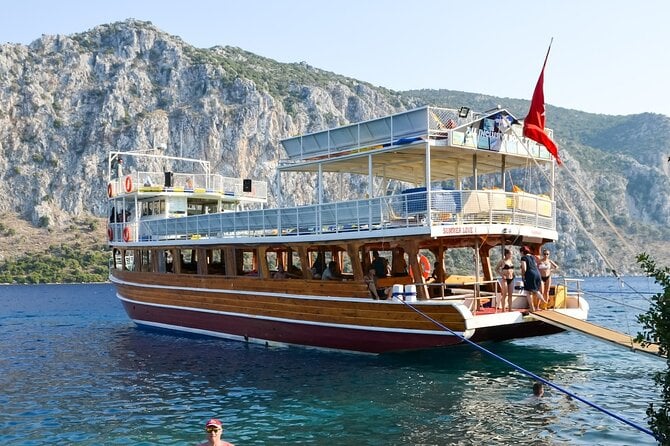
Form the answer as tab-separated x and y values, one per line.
448	208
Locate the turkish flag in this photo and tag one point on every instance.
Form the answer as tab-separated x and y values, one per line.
533	125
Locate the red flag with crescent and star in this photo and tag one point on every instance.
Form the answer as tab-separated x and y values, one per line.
533	125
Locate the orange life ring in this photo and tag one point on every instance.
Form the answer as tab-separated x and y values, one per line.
129	183
425	266
126	234
110	190
110	234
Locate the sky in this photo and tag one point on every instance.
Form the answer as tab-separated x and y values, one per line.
607	57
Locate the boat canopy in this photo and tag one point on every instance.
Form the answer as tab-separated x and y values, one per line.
457	142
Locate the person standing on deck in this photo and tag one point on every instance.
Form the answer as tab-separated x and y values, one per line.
505	269
546	266
531	278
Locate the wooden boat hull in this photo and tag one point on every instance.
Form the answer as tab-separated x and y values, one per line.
266	312
252	329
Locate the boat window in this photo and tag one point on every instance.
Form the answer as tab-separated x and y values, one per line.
294	265
274	260
169	265
246	262
215	262
189	264
118	260
129	260
145	260
320	257
153	207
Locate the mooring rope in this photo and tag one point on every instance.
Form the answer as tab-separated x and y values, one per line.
595	295
528	372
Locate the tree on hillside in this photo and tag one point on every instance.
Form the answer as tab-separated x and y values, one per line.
656	329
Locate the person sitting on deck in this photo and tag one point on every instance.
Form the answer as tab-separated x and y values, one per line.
294	272
318	266
332	272
280	274
380	264
371	281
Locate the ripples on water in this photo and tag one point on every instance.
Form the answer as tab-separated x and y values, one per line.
76	371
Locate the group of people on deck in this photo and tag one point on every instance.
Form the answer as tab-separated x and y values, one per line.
535	271
536	274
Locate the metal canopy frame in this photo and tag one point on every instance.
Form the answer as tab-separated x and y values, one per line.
396	147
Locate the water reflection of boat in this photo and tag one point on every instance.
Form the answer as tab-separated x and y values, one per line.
163	352
198	252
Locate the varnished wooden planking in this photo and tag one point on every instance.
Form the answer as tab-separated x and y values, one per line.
265	300
291	286
290	311
378	315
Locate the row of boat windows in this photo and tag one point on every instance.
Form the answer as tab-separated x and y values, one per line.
174	206
275	262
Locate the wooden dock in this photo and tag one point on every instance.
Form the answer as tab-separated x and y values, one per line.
596	331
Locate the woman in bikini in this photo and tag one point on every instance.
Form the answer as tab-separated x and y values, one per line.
546	265
505	269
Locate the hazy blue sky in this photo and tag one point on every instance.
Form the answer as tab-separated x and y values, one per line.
607	56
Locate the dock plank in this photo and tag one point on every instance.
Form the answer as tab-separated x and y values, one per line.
596	331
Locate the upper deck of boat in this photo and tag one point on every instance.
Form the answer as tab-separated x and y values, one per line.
403	145
424	147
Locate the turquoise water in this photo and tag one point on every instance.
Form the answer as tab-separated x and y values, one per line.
75	370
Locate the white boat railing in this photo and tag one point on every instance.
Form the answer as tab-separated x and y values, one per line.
448	208
139	181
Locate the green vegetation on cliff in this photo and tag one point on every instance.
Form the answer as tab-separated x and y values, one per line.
58	264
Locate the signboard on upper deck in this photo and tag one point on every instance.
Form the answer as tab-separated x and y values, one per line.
497	133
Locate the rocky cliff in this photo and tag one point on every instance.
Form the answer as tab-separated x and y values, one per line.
65	101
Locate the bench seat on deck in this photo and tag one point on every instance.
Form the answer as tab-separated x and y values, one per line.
385	282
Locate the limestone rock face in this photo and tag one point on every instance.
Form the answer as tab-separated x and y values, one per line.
65	101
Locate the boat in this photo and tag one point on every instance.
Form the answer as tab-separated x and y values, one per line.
198	252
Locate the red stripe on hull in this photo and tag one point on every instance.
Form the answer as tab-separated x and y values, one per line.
350	339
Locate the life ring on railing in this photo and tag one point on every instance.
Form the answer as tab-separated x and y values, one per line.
126	234
129	183
110	234
110	190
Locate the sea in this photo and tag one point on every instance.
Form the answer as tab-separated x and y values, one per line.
74	370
